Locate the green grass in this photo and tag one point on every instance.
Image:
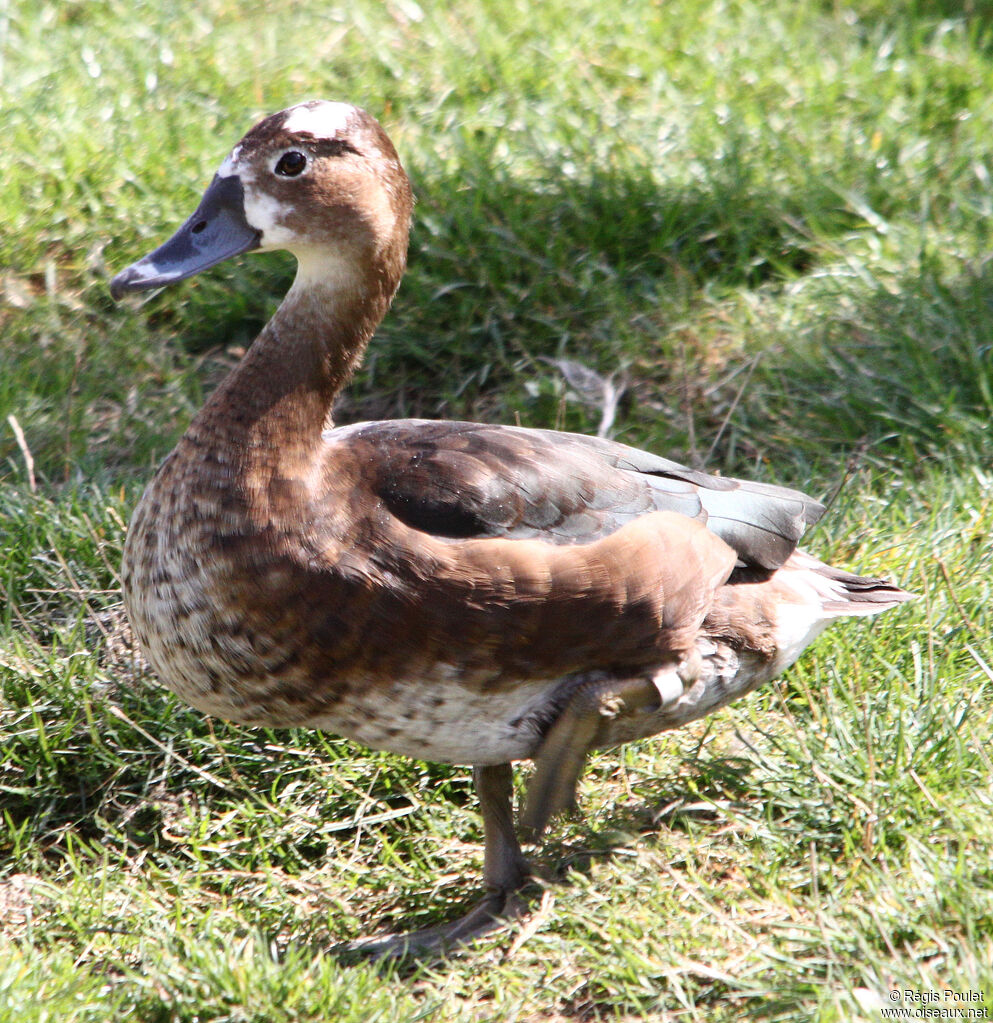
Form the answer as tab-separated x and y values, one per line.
776	218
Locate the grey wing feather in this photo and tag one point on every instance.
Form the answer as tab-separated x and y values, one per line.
461	480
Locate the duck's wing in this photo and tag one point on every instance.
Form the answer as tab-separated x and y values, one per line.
507	554
457	481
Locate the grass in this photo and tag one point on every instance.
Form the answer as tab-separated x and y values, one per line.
775	218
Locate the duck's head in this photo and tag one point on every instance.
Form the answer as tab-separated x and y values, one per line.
320	179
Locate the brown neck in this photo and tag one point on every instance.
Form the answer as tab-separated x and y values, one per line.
270	410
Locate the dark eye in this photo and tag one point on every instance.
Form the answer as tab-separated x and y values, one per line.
291	164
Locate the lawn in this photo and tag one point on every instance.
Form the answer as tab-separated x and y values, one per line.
770	223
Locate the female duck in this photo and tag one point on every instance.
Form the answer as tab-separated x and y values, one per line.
451	591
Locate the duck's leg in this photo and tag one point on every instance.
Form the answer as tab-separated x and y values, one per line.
505	871
505	868
562	754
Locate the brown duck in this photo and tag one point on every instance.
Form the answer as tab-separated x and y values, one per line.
453	591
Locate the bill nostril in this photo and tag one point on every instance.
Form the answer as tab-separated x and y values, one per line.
198	227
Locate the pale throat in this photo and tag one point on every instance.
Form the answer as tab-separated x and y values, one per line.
319	333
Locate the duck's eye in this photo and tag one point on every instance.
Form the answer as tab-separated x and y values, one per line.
291	164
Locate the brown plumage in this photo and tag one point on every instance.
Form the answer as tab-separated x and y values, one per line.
451	591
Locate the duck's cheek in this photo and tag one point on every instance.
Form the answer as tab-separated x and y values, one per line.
268	216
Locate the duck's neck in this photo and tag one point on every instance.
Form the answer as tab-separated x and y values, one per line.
270	411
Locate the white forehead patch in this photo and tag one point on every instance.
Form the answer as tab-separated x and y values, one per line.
322	119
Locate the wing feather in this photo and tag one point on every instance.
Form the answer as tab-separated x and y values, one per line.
456	481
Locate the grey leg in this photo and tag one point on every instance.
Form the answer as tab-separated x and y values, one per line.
504	868
562	754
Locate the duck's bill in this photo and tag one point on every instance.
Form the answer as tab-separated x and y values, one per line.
217	231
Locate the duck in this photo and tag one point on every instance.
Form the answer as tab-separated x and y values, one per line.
458	592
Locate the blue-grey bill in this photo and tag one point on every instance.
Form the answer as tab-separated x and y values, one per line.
217	231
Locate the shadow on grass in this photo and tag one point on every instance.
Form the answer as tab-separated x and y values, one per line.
717	781
504	272
924	15
502	267
501	274
599	266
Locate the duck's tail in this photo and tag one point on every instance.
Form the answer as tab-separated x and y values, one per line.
844	593
809	595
